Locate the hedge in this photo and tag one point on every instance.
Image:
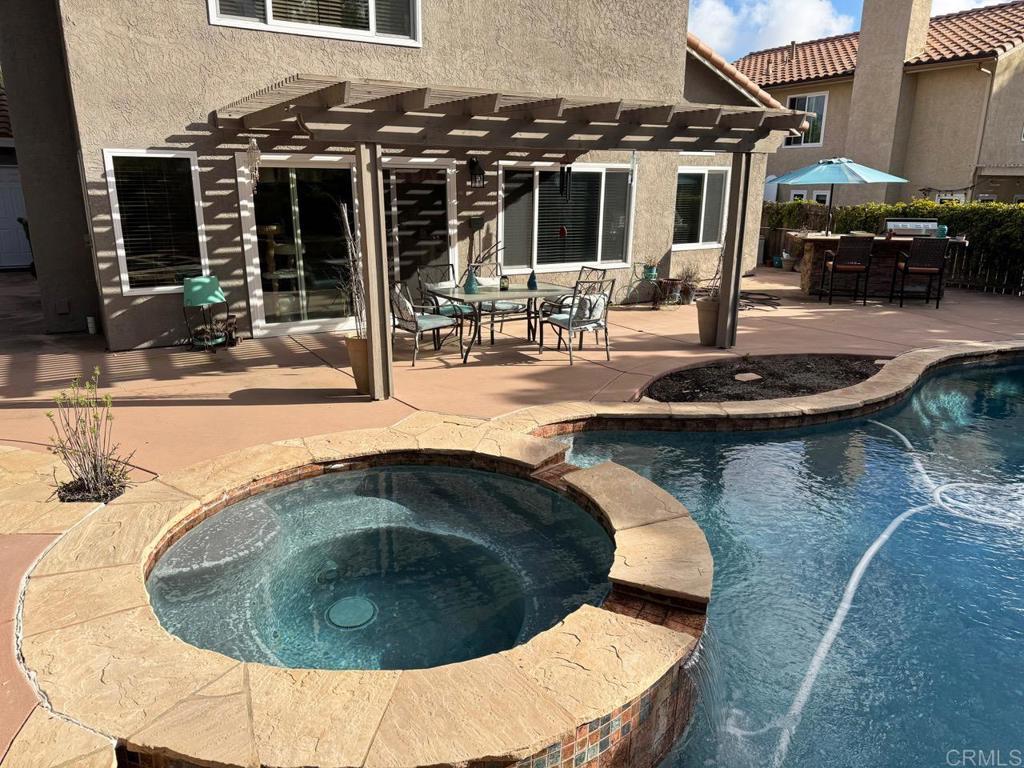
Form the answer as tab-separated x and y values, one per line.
995	232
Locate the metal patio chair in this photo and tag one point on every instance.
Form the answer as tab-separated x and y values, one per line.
852	257
488	275
211	329
927	258
587	311
418	319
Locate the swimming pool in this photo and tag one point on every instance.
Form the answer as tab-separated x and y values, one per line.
393	567
868	606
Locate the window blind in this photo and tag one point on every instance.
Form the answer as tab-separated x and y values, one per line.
394	17
689	200
243	9
615	221
579	215
714	208
345	14
156	206
517	201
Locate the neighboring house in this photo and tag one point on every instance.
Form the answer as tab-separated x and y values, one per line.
139	118
15	252
938	101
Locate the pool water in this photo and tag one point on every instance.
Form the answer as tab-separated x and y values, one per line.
388	568
922	664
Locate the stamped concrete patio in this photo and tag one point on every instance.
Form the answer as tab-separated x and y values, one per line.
176	407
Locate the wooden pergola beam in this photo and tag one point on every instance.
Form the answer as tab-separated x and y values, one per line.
416	100
608	112
320	100
660	115
474	106
749	120
705	117
544	109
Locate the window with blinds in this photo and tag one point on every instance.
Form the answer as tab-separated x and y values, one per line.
389	18
700	207
586	226
155	202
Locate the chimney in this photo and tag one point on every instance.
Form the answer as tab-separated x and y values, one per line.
892	31
792	50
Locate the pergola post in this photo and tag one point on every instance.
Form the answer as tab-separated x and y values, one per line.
732	250
373	236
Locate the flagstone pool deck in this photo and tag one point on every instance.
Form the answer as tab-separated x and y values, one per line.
178	408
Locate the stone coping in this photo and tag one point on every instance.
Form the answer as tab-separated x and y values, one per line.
889	386
95	649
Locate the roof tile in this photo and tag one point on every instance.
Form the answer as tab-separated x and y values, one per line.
981	32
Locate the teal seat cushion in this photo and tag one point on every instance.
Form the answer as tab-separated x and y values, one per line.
562	321
432	322
502	306
455	309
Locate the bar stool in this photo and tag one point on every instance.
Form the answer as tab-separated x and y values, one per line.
927	258
852	257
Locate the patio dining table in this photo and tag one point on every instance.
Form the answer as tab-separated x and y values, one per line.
520	295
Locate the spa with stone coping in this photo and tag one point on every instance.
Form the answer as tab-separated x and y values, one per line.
605	686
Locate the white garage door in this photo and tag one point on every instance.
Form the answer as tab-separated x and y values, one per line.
14	247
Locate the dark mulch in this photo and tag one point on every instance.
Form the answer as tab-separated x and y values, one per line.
79	490
783	376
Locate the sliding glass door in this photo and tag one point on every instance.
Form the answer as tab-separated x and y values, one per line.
303	263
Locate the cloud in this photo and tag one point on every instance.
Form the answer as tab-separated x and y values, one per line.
741	26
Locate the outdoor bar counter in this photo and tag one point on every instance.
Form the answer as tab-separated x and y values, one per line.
812	246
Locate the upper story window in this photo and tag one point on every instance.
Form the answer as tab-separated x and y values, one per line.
699	220
157	217
816	104
395	22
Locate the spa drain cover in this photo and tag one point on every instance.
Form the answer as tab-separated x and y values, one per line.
352	613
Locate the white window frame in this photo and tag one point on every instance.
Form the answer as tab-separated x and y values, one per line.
951	197
794	192
320	30
703	171
987	198
825	192
115	216
569	266
824	116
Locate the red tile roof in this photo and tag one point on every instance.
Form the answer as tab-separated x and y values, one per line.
744	83
979	33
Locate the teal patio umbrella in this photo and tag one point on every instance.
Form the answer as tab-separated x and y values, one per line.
836	170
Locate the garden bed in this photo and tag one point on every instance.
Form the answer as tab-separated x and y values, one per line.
781	376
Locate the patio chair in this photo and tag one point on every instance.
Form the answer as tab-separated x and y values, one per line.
927	258
210	331
488	275
587	311
420	318
440	275
852	257
561	303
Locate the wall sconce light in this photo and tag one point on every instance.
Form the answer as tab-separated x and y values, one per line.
477	177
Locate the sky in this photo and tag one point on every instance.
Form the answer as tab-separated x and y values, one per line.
737	27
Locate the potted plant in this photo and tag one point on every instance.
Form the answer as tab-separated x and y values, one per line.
707	311
356	345
689	277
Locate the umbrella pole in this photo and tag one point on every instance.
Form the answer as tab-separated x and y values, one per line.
831	201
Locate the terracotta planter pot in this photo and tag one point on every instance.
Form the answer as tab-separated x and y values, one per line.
358	356
707	321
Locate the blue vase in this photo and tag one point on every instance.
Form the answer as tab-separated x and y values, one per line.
531	283
472	285
943	230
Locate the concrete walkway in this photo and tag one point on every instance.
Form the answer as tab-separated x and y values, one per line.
175	407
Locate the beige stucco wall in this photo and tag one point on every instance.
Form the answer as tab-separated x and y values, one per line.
149	75
1002	149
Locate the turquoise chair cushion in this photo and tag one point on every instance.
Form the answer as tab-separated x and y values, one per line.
502	306
455	309
432	322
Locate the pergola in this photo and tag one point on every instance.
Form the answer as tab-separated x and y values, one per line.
370	115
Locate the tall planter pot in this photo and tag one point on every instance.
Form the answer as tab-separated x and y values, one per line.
707	321
359	357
